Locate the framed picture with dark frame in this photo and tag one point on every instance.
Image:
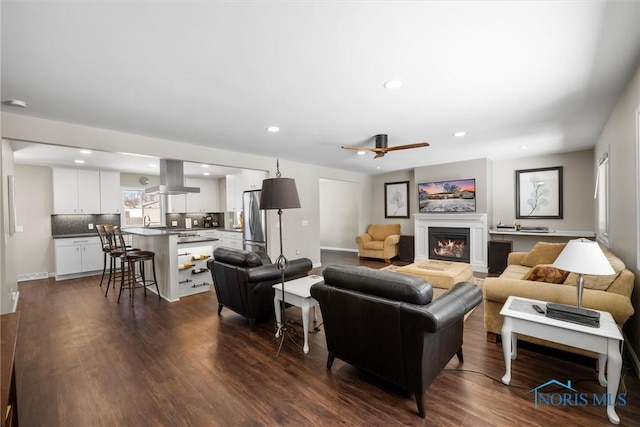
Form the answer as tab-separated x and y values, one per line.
396	199
539	193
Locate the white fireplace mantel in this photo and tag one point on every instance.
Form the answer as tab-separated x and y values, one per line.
478	232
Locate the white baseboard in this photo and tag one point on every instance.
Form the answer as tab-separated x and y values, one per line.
338	249
634	357
32	276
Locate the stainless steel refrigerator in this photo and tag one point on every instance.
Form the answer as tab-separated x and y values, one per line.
254	227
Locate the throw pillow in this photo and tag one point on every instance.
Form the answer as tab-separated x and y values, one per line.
546	273
600	283
542	253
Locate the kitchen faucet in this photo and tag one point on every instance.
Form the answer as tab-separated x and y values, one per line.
147	221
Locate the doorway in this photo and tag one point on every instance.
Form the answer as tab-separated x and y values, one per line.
339	213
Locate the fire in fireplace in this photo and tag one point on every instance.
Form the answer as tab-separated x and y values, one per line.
449	244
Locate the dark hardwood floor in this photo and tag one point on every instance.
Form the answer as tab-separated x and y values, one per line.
83	360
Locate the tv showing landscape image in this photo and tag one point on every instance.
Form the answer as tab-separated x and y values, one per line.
447	196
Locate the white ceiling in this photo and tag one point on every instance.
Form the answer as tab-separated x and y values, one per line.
540	75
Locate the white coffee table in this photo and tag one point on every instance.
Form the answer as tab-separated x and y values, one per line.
297	292
521	318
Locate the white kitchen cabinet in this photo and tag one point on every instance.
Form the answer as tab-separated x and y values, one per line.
240	182
204	201
177	203
212	233
209	195
78	255
76	191
252	179
110	193
230	239
193	201
232	195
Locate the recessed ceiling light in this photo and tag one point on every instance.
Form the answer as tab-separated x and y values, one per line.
273	129
85	151
524	147
206	173
17	103
394	84
79	161
153	165
204	166
377	167
459	134
361	153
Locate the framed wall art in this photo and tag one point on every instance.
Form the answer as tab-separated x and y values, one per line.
539	193
396	199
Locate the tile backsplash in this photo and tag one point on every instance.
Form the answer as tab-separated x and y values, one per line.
78	224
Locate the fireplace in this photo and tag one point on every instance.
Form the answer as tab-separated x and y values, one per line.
449	243
478	233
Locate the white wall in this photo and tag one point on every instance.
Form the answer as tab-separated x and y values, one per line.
477	169
377	200
339	214
619	136
578	185
8	277
303	238
34	202
495	191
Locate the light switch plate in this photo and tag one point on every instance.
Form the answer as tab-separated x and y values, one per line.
174	223
90	226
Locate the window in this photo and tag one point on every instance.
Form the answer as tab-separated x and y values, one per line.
602	199
137	205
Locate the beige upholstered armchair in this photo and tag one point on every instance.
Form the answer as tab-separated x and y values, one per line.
380	241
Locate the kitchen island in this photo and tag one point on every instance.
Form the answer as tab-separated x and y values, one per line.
180	259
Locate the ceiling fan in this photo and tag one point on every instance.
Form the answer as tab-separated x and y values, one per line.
382	148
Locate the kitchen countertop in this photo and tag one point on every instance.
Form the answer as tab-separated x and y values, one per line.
196	239
75	236
151	231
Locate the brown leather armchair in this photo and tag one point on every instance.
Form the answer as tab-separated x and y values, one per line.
380	241
387	324
244	281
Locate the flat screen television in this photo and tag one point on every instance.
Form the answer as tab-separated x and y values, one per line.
447	196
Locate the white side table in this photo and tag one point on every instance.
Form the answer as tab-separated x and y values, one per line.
297	292
520	317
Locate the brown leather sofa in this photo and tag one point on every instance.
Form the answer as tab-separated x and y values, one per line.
244	281
380	241
387	324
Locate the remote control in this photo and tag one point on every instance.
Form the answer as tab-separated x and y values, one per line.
537	308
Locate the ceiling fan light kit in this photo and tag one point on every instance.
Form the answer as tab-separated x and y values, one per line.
382	146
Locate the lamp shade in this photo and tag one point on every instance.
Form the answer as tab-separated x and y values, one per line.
279	193
583	256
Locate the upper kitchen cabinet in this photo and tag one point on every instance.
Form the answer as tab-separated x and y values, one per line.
239	182
76	191
252	179
110	193
177	203
204	201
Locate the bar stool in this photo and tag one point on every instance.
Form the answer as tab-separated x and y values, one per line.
106	250
116	250
128	261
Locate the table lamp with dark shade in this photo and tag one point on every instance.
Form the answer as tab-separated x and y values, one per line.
280	193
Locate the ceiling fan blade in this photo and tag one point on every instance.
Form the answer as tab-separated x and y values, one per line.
351	147
408	146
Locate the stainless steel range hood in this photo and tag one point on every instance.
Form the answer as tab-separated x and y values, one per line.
171	179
